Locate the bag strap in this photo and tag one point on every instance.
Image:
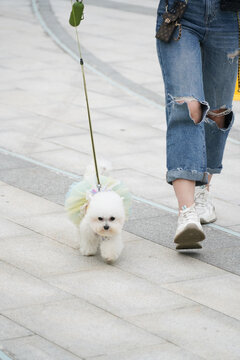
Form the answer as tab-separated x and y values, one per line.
166	2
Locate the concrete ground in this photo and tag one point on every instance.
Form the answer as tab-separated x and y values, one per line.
154	302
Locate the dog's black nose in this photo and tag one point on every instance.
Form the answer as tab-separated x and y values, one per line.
106	227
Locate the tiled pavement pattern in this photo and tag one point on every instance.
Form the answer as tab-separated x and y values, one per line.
221	249
154	303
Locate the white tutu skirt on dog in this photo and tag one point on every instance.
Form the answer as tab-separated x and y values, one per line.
79	195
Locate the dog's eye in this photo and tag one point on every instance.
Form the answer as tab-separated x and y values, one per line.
100	219
112	218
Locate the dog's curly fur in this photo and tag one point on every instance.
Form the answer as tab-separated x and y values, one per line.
99	215
102	226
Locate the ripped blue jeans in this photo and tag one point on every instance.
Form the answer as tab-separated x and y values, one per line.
202	66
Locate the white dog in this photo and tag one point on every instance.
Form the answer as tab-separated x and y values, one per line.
102	225
99	214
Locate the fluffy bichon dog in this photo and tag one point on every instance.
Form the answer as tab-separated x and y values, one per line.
102	225
100	215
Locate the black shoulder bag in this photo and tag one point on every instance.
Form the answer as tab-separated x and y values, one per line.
171	19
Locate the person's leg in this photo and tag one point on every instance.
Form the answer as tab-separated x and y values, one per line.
209	180
204	204
185	189
186	109
220	59
220	50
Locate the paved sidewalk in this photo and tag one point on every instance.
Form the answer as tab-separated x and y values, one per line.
154	303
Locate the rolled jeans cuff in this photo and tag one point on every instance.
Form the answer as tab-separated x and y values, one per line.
214	171
201	178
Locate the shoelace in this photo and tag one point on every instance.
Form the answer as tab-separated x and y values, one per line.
201	197
190	214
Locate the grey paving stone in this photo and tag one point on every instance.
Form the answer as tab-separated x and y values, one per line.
65	159
167	351
22	143
18	289
202	331
10	162
57	198
125	129
56	226
140	211
37	180
221	293
140	184
81	143
81	328
129	237
126	7
219	248
226	258
98	100
118	292
140	112
9	228
159	264
161	229
225	208
8	113
42	257
148	162
107	70
11	330
37	348
17	203
236	228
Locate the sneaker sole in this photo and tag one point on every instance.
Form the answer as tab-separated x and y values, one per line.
189	238
204	221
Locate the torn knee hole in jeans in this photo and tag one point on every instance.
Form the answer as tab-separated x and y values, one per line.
222	116
233	55
219	112
195	107
185	99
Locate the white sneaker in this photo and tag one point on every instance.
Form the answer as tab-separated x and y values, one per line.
189	230
204	206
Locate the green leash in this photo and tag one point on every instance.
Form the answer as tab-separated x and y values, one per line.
75	18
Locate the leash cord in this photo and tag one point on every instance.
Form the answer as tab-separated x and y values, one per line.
87	103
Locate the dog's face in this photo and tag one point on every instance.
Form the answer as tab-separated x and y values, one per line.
106	213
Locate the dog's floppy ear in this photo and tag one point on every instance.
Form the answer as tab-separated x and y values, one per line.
85	207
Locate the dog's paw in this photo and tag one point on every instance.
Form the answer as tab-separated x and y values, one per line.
87	251
110	260
111	249
110	257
